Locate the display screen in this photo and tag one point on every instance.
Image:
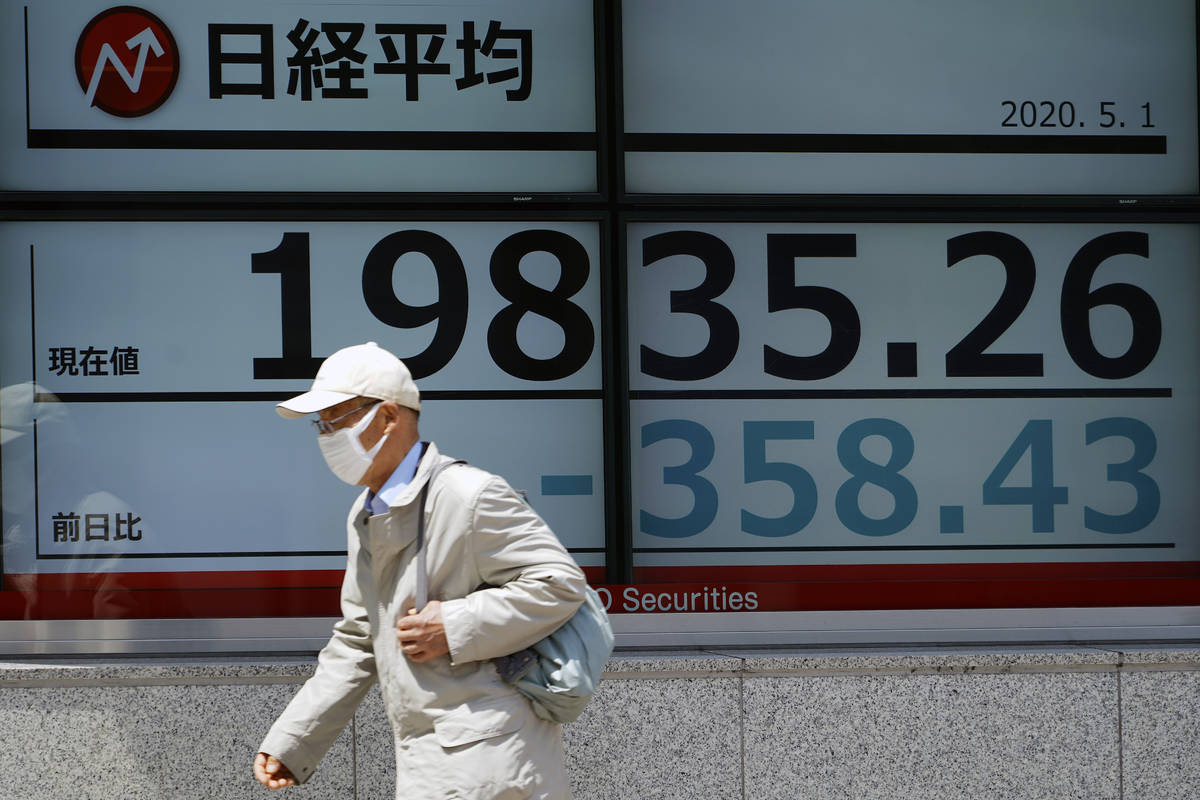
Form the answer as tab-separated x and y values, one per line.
140	365
293	96
724	409
816	404
1039	97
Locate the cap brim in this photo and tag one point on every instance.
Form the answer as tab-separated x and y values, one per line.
311	402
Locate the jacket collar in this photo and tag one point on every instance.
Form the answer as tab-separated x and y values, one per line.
359	511
429	458
401	476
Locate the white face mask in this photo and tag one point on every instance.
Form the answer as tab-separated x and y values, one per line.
344	452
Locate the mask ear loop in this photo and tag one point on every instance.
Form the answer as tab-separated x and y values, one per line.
359	429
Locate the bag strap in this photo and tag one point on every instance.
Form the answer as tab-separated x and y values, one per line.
422	572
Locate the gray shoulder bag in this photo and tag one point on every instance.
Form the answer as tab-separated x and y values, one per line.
559	673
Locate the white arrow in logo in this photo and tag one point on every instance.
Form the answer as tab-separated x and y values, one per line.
144	42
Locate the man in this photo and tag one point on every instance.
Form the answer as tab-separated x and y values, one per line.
498	581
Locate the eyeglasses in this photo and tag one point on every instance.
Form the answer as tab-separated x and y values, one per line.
325	426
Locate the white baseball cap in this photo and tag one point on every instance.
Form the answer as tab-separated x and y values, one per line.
364	370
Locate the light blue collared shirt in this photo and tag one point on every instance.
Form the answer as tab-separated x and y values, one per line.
401	477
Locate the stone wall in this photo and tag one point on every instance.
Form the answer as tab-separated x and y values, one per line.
930	723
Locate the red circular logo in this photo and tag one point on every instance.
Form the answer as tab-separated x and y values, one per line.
126	61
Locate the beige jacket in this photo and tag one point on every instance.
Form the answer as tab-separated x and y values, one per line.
460	731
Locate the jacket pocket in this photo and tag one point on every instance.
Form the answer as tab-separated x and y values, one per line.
481	719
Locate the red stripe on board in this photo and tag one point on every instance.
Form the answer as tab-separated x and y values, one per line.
251	579
928	586
158	604
258	579
314	593
906	572
720	596
185	595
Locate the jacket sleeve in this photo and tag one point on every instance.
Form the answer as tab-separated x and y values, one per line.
319	712
535	584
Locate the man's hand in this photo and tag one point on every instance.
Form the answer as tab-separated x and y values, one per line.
421	636
271	772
